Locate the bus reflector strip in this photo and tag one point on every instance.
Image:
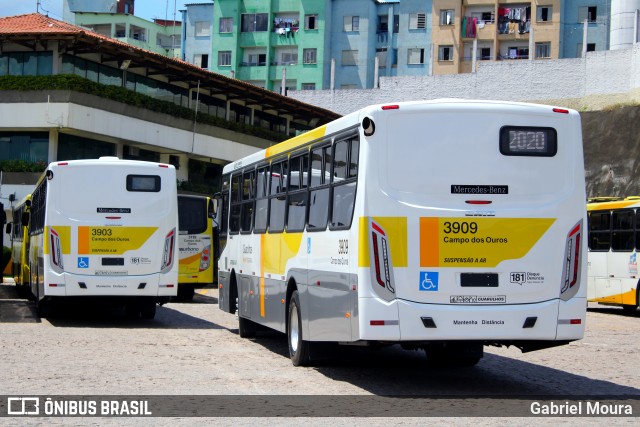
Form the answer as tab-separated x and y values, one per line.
561	110
384	322
569	321
478	202
391	107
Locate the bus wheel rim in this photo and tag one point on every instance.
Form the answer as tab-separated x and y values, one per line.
294	336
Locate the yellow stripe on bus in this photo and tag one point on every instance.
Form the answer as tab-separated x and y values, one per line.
296	141
478	242
64	233
396	229
605	206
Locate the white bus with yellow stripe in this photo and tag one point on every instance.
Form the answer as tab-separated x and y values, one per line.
104	229
614	242
443	225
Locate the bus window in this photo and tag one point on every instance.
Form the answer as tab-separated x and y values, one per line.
319	191
236	200
344	187
262	200
622	234
277	203
599	231
297	196
248	197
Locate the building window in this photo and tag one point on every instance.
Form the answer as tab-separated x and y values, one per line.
485	53
202	28
226	25
544	13
201	60
445	53
28	146
349	57
224	58
416	56
256	59
289	58
587	12
543	50
26	64
446	17
253	22
311	22
308	86
418	21
591	47
309	55
351	23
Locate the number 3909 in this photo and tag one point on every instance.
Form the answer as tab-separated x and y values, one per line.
460	227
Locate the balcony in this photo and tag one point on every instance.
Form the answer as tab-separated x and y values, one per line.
484	30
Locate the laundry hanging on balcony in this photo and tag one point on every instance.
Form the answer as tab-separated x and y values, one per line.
469	27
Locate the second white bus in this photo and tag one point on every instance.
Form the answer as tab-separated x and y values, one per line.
442	225
104	229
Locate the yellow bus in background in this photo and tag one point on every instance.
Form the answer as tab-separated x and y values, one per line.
19	233
195	244
614	242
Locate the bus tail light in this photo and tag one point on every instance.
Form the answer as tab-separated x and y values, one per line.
168	253
205	259
56	251
381	265
572	263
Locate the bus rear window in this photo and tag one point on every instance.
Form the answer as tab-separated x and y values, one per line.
143	183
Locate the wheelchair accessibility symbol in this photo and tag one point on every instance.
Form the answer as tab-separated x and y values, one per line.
83	262
428	281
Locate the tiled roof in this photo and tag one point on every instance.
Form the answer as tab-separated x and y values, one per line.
35	23
35	27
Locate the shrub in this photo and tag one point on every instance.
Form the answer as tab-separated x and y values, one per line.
116	93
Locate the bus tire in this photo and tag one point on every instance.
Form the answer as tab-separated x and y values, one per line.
43	308
299	349
148	309
631	308
246	328
186	292
131	310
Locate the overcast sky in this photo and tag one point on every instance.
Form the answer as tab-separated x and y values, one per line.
147	9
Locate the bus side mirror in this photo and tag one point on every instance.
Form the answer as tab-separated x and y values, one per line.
8	229
25	219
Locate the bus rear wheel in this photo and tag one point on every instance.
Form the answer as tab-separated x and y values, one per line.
148	309
299	349
630	308
246	328
186	292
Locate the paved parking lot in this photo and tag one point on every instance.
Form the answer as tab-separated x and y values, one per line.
194	349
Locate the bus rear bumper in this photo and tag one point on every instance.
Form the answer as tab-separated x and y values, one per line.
553	320
152	285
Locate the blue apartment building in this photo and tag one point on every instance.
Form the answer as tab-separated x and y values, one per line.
598	16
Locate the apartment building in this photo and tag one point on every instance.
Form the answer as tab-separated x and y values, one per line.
467	32
597	14
197	27
271	44
377	38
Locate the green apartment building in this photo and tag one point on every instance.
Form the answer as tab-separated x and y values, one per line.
265	42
